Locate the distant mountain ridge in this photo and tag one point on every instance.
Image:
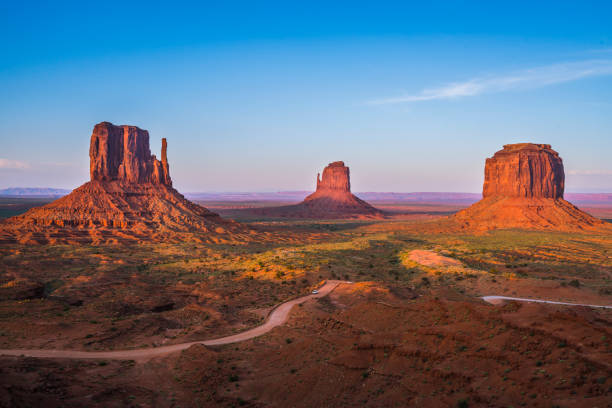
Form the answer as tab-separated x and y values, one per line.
299	195
34	192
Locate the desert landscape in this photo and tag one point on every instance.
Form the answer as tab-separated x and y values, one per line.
124	292
306	204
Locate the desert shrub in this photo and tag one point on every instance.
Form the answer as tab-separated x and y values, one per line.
51	286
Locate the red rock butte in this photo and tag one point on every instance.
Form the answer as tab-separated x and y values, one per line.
523	188
130	197
122	153
332	199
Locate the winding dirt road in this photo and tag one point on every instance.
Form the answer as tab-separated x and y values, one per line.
277	316
496	300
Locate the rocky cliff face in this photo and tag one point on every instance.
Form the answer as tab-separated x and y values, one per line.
122	153
336	177
523	188
524	170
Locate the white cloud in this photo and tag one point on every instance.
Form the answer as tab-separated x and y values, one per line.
13	164
525	79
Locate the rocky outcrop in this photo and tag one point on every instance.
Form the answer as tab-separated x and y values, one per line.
122	153
524	170
130	197
523	188
332	199
336	177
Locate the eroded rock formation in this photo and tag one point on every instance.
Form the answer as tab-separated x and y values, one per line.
332	199
523	188
129	197
122	153
336	177
524	170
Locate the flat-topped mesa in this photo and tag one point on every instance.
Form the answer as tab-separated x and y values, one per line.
122	153
524	170
336	176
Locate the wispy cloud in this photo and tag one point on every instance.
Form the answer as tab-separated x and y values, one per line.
525	79
13	164
590	172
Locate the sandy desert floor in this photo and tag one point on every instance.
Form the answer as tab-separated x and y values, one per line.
411	331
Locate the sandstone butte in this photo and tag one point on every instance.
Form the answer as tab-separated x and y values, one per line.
129	197
523	188
331	200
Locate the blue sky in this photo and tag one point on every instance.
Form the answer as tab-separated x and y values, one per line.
259	97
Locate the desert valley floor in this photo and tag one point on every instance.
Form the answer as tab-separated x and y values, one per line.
410	330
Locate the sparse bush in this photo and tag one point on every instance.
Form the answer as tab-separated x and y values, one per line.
462	403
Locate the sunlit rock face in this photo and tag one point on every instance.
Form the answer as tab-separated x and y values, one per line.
523	188
336	177
130	197
122	153
524	170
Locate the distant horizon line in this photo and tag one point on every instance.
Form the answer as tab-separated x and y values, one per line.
68	190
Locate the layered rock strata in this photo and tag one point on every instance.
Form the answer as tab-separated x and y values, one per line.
130	196
122	153
524	170
523	188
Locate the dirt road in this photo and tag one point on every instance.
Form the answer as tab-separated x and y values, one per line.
495	300
277	316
